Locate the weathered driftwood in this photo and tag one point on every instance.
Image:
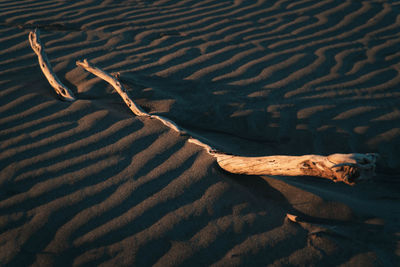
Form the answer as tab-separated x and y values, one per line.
38	48
347	168
136	109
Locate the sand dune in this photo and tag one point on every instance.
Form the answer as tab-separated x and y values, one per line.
88	183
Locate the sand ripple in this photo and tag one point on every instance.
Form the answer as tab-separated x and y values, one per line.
87	183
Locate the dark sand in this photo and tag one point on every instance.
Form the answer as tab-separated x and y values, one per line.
87	183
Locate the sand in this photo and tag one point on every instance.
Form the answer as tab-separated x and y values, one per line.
87	183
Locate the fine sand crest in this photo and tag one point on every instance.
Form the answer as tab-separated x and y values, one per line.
87	183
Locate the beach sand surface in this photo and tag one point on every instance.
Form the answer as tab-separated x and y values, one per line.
87	183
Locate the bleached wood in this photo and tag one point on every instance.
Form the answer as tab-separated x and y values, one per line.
136	109
347	168
291	217
168	123
38	48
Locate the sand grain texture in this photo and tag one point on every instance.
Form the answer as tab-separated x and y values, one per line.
87	183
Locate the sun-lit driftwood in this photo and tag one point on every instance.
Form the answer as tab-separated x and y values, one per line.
136	109
347	168
38	48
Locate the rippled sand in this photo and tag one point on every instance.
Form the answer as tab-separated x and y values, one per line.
88	183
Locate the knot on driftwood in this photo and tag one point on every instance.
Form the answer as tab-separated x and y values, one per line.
34	40
352	168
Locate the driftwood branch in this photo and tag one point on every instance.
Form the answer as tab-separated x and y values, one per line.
347	168
136	109
38	48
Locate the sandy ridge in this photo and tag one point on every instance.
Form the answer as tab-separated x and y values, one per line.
86	183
